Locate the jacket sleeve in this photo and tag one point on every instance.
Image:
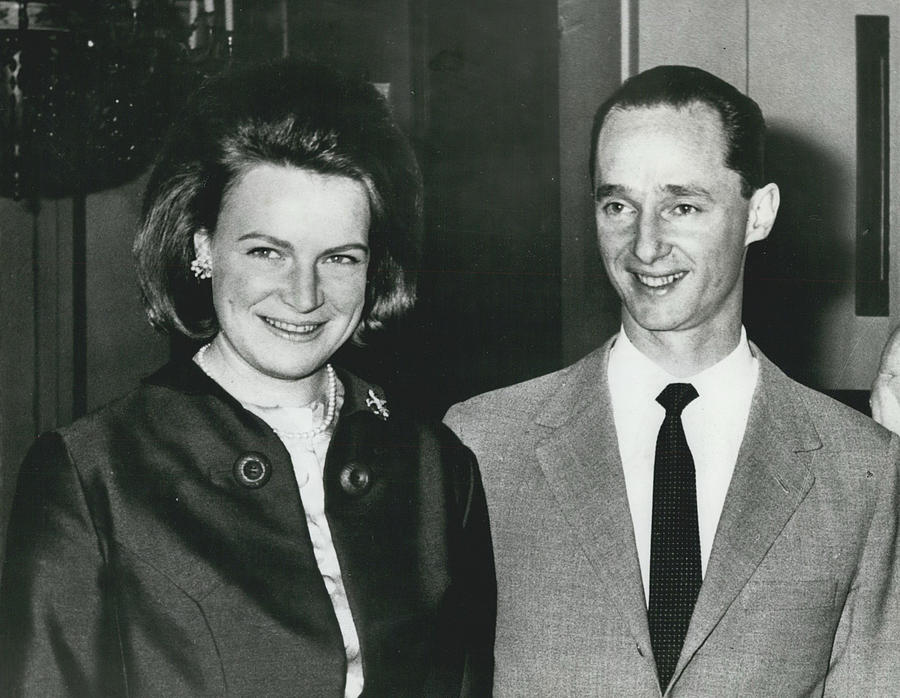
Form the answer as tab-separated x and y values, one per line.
864	658
57	619
480	596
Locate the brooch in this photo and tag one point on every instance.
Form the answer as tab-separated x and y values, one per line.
377	405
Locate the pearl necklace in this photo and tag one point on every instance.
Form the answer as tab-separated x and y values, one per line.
330	401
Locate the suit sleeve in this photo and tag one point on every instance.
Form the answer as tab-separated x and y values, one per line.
865	659
57	620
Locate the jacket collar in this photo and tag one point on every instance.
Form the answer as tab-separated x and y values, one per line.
772	476
580	458
187	377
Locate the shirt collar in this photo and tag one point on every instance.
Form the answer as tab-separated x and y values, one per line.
646	379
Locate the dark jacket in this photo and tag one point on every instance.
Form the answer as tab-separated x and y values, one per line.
140	562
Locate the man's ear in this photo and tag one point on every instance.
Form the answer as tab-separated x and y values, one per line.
761	212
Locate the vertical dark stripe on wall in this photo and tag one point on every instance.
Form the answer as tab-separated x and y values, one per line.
872	166
36	320
633	28
79	305
418	41
747	47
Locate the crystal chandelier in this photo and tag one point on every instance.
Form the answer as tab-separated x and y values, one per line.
87	87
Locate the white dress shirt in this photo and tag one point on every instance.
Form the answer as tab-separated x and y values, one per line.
308	461
714	425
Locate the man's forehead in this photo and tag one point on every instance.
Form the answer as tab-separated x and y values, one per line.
695	116
677	140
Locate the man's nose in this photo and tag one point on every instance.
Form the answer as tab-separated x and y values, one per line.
649	243
304	289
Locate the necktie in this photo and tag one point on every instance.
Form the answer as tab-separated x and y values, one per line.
675	571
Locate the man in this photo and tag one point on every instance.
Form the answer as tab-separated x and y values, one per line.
672	514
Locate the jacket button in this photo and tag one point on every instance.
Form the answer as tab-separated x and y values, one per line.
252	470
356	479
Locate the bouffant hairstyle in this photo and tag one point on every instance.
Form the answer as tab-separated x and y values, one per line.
289	113
680	86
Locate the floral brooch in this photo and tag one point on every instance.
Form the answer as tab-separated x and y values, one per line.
377	405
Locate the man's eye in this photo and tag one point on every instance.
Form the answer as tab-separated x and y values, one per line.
685	209
614	208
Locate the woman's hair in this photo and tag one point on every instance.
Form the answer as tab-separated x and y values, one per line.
296	114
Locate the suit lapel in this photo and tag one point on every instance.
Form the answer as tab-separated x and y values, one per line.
771	478
580	459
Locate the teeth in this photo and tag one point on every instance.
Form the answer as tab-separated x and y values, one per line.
659	281
290	327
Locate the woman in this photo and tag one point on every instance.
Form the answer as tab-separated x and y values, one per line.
256	520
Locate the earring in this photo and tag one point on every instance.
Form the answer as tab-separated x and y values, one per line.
202	267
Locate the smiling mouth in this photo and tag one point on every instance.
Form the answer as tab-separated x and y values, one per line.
291	331
660	282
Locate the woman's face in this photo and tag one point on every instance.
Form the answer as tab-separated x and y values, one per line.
289	258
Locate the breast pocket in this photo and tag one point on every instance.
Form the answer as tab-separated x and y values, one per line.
788	623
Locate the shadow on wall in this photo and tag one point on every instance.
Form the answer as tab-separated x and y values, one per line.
806	264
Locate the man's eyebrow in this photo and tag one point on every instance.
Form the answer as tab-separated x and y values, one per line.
604	190
687	190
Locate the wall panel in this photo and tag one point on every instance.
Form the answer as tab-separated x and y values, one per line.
801	282
589	71
121	346
709	34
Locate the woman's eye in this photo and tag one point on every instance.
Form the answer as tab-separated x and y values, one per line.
341	259
265	253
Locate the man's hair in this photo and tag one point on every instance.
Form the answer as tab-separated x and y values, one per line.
681	86
293	114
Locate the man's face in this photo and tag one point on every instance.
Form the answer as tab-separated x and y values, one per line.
671	221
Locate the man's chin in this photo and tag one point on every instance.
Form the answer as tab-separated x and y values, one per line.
653	321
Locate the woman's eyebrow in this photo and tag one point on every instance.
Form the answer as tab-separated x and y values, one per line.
257	235
279	242
346	248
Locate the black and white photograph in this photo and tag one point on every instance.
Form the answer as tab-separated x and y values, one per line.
376	348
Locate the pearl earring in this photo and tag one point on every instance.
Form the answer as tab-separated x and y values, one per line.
202	267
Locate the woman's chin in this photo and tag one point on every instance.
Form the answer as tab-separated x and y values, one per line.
290	372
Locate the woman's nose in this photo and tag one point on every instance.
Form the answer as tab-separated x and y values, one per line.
304	290
649	244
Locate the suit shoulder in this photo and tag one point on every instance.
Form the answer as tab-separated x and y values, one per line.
838	424
513	402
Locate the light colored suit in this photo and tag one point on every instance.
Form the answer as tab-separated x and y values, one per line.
802	591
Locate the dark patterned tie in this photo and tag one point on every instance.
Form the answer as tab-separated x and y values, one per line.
675	572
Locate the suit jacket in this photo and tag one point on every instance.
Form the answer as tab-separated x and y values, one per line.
139	562
802	590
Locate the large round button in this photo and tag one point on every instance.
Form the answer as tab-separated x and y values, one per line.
252	470
356	479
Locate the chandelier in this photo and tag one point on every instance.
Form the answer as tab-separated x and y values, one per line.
88	87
